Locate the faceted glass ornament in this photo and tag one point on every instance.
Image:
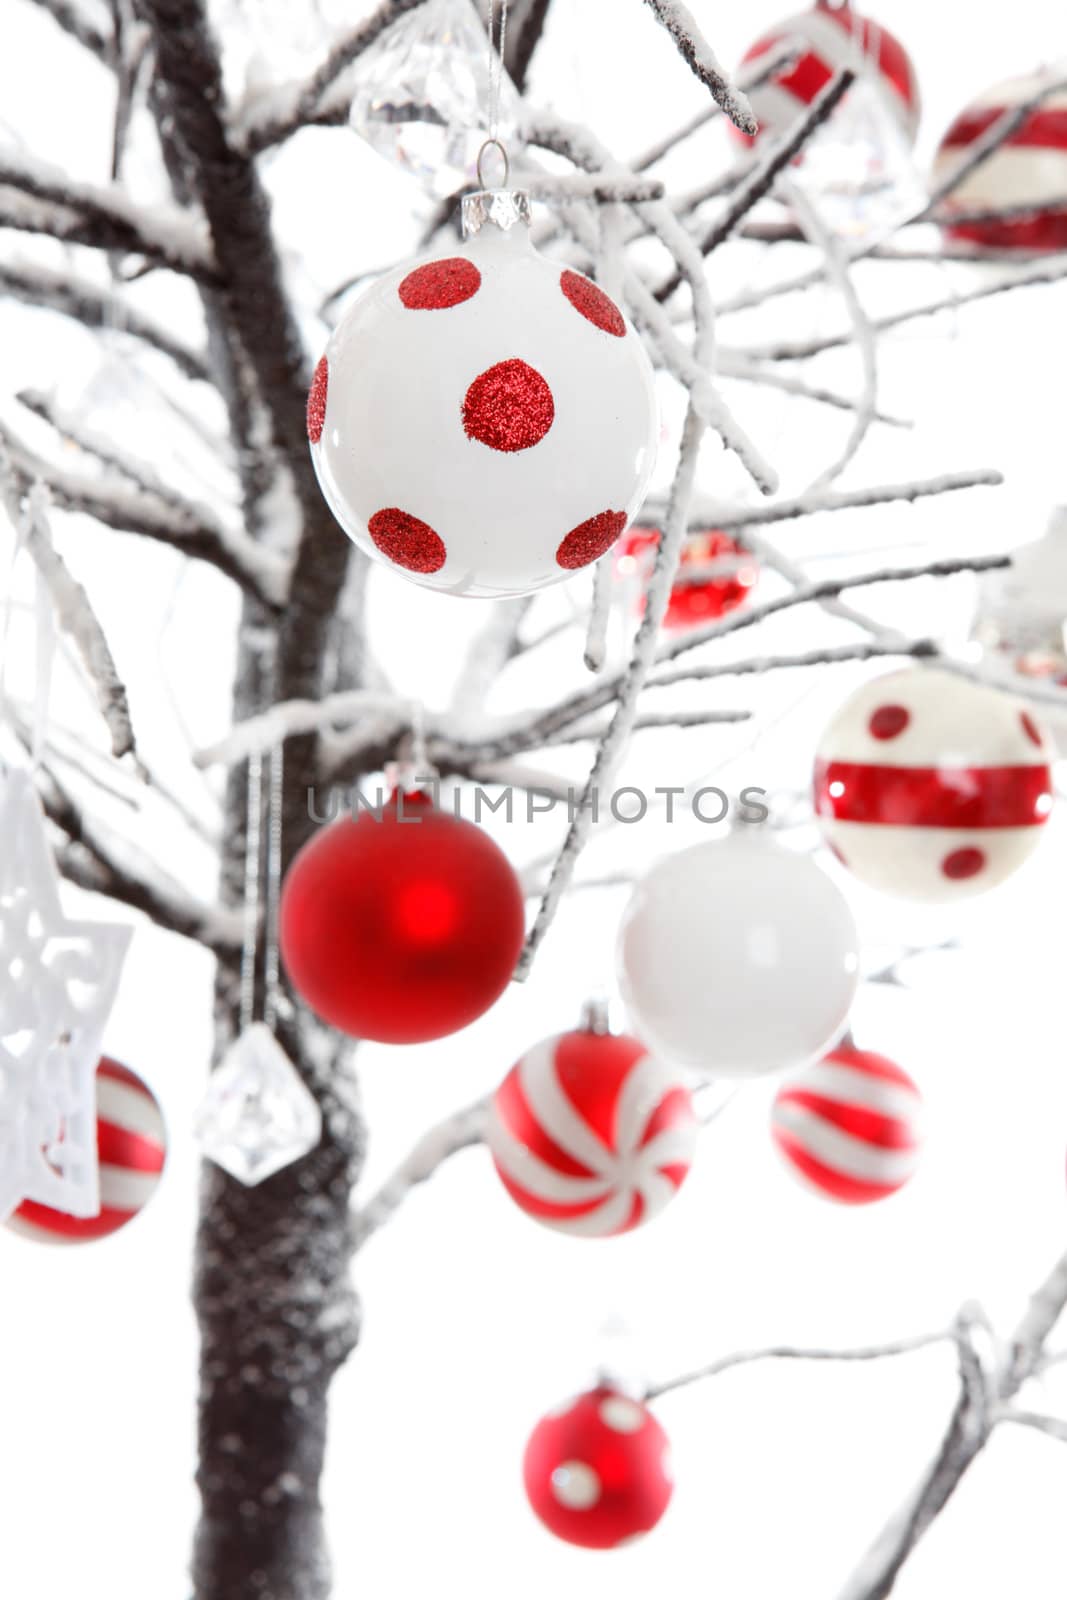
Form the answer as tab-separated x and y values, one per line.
422	90
858	167
258	1115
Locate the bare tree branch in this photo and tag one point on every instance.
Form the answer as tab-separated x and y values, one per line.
94	307
69	17
785	1352
457	1132
99	214
299	104
767	169
76	617
698	55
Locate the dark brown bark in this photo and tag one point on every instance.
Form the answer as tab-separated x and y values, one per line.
276	1310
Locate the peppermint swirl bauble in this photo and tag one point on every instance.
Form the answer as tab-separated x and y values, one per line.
590	1134
131	1145
849	1126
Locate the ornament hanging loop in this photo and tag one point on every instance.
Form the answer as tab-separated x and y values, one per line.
493	144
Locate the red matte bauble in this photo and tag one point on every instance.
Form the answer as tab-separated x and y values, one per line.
694	599
401	929
598	1472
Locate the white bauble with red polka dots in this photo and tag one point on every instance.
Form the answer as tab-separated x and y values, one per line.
597	1471
931	786
484	420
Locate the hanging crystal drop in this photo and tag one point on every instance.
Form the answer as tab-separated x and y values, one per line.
421	91
257	1115
859	165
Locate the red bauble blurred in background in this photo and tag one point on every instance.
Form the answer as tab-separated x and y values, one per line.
598	1472
850	1126
401	929
131	1145
1025	178
694	599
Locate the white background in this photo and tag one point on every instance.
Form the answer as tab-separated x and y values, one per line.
477	1320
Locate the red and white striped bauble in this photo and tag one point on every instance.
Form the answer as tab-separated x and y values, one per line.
1029	169
597	1471
850	1126
132	1146
931	786
831	38
590	1134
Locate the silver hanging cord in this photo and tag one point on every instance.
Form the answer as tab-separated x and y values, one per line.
497	47
274	883
253	830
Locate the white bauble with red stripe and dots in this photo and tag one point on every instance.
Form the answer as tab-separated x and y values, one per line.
830	38
737	957
1027	174
931	786
590	1134
850	1126
597	1471
484	421
132	1148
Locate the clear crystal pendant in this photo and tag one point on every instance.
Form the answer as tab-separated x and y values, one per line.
859	168
258	1115
421	90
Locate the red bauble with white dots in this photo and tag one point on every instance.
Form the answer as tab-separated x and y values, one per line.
933	787
1029	171
401	929
598	1471
590	1134
700	593
831	38
131	1146
850	1126
484	421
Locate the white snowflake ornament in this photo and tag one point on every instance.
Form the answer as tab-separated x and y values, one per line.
58	980
484	422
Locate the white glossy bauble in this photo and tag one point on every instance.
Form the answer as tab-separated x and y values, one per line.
737	957
484	420
932	787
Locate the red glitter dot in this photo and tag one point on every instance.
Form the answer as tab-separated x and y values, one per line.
963	863
508	407
1030	727
595	306
888	721
317	401
588	541
440	284
407	541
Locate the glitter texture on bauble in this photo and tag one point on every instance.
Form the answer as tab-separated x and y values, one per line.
484	423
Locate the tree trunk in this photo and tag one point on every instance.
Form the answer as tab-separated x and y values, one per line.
276	1309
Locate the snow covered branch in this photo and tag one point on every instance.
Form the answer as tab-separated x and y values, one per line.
41	198
699	56
70	17
456	1132
269	120
785	1352
76	617
766	169
94	307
